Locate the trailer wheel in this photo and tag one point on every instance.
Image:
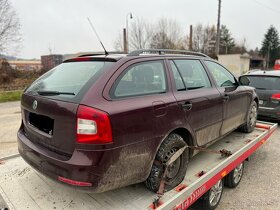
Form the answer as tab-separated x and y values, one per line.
251	120
234	177
176	171
211	199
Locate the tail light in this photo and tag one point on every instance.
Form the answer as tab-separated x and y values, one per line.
275	96
93	126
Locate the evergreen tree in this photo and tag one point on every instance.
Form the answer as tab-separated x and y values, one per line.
271	45
226	41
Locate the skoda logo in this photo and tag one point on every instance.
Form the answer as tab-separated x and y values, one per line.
34	105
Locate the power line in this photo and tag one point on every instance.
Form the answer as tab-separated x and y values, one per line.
267	7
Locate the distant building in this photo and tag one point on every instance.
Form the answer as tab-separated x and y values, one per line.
257	62
238	64
51	61
26	65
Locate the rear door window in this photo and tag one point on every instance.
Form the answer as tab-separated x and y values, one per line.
193	74
265	82
140	79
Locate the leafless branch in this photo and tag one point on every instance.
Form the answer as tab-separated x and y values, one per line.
9	27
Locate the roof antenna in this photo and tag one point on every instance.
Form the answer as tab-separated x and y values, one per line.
92	27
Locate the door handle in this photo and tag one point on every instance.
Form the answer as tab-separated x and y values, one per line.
225	97
187	106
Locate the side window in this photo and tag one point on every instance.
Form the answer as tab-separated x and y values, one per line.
177	77
140	79
193	73
221	75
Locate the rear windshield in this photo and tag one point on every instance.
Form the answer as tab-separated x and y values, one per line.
265	82
69	77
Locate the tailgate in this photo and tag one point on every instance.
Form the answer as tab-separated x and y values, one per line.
50	123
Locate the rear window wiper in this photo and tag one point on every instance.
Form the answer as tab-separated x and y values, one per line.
53	93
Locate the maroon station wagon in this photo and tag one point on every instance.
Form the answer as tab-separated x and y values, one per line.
101	122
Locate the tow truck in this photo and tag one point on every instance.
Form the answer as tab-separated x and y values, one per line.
208	171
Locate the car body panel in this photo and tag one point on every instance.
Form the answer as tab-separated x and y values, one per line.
139	125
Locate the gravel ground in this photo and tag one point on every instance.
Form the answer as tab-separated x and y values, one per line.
2	203
10	122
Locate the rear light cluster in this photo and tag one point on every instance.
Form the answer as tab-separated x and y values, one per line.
93	126
275	96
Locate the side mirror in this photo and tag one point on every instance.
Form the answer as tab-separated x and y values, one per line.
243	80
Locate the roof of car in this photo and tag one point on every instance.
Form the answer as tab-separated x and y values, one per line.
264	72
143	53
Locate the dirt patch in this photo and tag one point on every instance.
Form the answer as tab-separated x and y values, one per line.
23	171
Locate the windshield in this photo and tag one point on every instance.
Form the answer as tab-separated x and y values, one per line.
265	82
68	79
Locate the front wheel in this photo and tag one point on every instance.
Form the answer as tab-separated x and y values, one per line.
176	171
251	119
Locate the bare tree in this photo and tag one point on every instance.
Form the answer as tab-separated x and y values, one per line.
140	33
198	37
9	26
168	34
118	43
209	39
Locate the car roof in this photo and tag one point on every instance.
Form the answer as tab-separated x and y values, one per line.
263	73
142	53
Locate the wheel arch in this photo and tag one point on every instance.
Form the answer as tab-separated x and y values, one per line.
186	135
256	100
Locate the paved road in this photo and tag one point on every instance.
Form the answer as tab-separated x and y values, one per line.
10	122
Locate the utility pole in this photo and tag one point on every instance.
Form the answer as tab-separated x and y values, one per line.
218	28
191	37
125	41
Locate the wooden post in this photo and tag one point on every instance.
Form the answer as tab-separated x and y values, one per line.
191	38
125	41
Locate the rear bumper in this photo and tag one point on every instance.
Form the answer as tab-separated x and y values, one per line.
78	167
100	168
269	113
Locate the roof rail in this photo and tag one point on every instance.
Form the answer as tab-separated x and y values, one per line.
164	51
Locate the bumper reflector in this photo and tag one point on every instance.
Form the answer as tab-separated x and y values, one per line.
73	182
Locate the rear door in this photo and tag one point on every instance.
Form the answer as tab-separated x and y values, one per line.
141	106
236	99
199	100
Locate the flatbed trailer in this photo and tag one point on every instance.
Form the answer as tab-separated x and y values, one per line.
23	188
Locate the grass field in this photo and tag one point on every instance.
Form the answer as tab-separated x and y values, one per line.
10	96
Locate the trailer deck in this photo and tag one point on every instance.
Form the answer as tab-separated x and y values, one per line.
24	188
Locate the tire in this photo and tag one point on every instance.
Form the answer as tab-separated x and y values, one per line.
177	171
251	119
234	177
204	202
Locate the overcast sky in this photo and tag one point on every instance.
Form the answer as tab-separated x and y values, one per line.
62	24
